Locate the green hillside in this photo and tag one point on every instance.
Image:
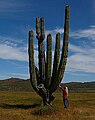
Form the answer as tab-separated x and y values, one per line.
16	84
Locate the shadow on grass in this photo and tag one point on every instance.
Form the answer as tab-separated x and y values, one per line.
22	106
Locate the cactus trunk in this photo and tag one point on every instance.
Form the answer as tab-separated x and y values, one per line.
40	37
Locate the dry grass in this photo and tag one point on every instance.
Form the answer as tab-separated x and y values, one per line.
25	106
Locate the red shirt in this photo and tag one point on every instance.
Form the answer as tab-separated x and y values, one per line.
64	92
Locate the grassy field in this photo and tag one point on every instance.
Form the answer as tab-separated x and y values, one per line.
28	106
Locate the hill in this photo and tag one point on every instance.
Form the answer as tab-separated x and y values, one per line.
80	86
16	84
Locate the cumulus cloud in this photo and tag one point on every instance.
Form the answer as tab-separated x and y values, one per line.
12	49
84	33
82	59
53	32
15	49
12	53
81	63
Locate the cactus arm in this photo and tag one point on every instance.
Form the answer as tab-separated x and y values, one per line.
31	61
42	29
56	60
40	36
64	54
49	61
56	56
38	26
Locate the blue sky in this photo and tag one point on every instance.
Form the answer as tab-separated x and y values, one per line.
17	17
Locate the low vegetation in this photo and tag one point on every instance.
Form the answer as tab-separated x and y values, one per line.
28	106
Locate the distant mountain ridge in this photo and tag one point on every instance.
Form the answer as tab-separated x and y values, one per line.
17	84
80	85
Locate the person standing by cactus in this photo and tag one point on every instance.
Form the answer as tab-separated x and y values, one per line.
65	96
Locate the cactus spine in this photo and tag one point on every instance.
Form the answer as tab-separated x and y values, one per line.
45	80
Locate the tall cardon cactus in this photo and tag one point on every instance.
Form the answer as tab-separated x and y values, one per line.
45	79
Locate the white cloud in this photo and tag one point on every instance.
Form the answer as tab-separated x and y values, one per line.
75	48
13	49
83	57
12	53
10	41
53	32
81	63
82	60
84	33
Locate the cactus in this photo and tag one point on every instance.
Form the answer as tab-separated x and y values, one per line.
46	79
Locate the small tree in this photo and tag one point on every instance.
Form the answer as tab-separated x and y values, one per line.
46	79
